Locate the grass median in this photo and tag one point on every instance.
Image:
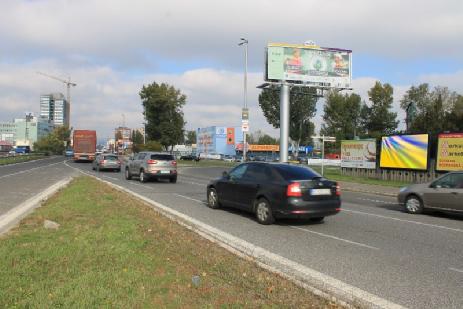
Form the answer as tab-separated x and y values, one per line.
113	251
20	158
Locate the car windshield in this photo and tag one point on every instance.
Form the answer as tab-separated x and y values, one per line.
163	157
291	172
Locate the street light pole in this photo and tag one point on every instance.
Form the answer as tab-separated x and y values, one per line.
245	43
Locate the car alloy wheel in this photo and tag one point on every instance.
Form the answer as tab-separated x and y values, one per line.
212	199
127	174
264	212
413	205
142	176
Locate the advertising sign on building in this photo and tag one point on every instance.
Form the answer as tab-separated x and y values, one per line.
230	136
330	67
450	152
220	131
358	154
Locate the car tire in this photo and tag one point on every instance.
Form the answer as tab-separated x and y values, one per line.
142	176
316	219
173	179
413	205
264	213
93	168
127	174
213	198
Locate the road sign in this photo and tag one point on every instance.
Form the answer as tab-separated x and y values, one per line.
245	114
245	127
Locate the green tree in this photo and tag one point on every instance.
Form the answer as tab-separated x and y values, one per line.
137	137
267	140
162	106
378	119
341	116
190	137
55	142
302	110
435	111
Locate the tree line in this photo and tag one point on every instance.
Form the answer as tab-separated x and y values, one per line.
346	116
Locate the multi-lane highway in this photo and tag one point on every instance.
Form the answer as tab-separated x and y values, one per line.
413	261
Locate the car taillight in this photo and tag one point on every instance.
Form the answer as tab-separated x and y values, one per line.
174	163
294	189
118	162
338	189
152	162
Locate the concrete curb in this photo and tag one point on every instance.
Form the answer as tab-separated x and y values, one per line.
13	216
314	281
369	192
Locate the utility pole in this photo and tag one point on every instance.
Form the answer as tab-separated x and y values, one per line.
68	91
245	43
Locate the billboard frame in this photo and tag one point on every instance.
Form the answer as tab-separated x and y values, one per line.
437	152
428	153
320	85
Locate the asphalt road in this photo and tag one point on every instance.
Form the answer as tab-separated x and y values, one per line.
414	261
21	181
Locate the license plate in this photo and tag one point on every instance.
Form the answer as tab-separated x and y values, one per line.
83	157
165	172
320	192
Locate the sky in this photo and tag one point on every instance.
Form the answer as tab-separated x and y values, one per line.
111	48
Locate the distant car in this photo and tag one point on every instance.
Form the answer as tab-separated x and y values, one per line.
106	162
445	193
189	158
276	190
147	165
69	153
228	158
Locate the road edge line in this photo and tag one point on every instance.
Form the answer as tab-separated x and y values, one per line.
318	283
12	217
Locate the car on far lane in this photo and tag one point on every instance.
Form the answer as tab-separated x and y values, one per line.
276	190
106	162
445	194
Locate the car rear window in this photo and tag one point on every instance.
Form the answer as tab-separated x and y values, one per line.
162	157
291	172
110	158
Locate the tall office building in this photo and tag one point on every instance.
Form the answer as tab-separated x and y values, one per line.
54	107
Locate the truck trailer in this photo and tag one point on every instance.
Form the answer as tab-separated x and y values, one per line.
84	145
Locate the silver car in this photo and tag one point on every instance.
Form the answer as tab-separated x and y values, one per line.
106	162
445	193
147	165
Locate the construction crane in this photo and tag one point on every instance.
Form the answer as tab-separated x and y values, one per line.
67	82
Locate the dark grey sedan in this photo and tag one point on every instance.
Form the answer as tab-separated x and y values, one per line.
106	162
444	193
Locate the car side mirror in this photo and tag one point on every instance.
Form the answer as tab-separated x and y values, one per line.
225	175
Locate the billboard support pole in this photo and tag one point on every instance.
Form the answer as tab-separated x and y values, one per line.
284	122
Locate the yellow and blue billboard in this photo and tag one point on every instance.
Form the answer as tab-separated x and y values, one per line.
450	152
405	152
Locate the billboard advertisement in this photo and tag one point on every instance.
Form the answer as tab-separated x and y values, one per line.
330	67
358	154
450	152
405	152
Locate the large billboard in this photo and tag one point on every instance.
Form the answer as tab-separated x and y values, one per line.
329	67
358	154
450	152
405	152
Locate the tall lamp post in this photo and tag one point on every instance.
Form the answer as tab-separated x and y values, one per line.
244	42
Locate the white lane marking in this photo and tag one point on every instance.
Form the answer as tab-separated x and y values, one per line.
336	238
456	269
189	198
193	183
402	220
114	178
377	201
30	169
